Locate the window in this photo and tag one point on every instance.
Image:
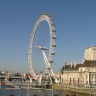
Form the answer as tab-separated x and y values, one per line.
62	80
73	80
86	82
86	76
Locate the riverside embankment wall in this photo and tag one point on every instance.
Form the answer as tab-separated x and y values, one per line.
80	90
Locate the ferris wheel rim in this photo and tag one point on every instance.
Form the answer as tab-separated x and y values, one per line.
51	24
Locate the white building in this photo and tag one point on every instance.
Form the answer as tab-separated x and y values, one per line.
90	53
82	74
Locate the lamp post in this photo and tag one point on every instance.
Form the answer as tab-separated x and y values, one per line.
78	87
90	83
28	89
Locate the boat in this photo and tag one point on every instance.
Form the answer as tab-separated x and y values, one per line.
70	95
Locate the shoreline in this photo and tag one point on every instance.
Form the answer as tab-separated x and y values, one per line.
80	90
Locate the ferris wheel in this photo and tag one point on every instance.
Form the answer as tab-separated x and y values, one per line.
48	59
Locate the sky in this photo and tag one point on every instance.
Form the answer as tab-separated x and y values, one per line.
75	23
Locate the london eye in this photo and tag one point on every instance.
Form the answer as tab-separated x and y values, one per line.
51	53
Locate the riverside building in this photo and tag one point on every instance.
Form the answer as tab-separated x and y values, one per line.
81	74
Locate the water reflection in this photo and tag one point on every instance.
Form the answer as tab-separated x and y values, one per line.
36	92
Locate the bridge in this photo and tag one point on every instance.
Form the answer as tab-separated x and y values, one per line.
10	78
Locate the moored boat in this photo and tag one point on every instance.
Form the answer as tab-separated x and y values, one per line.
70	95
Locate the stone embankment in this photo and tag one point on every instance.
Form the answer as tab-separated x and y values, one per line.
76	89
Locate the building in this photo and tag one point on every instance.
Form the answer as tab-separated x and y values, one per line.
12	76
81	74
90	53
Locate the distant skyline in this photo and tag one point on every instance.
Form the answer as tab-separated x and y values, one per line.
75	22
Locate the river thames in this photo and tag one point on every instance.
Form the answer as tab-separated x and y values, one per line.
37	92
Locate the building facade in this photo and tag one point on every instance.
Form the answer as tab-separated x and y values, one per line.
81	74
90	53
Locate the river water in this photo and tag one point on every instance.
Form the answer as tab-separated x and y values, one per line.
31	92
35	92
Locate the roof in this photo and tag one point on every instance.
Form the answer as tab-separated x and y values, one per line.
89	63
90	47
71	67
86	63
